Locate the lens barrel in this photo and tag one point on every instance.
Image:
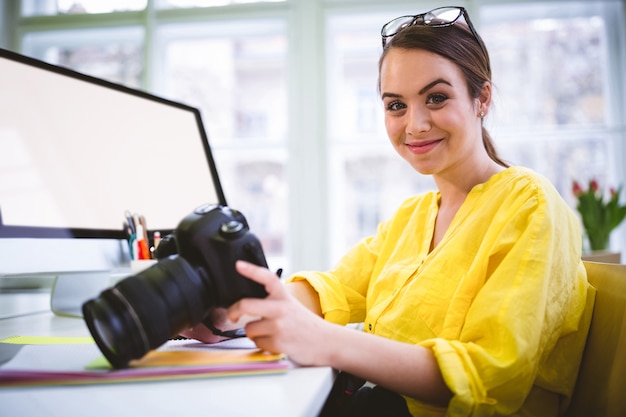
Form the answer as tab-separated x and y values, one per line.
142	312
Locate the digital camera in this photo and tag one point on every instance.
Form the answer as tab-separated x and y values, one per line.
195	272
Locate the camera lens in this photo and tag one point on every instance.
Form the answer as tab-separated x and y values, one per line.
141	312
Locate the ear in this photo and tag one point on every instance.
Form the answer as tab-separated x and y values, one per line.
484	99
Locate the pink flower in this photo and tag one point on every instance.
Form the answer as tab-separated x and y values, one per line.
577	189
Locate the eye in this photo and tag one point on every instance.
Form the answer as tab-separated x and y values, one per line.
395	105
436	99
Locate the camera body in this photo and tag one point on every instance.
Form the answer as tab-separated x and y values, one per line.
212	239
195	272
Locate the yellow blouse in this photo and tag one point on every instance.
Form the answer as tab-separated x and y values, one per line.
500	300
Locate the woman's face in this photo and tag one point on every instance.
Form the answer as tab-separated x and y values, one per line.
430	118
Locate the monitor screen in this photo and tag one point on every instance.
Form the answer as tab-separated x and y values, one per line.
77	153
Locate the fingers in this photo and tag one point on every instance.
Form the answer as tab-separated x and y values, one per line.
253	307
201	333
261	275
219	318
272	306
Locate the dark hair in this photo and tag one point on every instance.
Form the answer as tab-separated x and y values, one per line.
458	44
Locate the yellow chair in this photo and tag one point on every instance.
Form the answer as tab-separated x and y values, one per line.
601	385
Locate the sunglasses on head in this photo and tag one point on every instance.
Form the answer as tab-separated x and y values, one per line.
440	17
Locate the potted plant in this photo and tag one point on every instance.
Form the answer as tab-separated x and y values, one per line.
599	214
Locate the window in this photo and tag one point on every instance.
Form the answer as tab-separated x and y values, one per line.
552	71
235	72
114	55
248	65
53	7
371	180
557	63
208	3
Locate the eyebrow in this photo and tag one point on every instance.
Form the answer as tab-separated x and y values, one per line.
423	90
434	83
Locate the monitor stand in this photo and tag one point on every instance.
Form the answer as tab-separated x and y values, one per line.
71	289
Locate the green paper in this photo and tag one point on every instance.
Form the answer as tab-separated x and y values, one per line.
46	340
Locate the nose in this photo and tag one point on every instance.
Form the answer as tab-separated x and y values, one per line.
418	121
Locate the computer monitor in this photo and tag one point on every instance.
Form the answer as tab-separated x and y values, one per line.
76	153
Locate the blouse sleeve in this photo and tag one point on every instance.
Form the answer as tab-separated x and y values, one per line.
343	289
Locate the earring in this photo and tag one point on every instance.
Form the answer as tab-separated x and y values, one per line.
481	114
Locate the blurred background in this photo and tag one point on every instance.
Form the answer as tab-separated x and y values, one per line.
287	90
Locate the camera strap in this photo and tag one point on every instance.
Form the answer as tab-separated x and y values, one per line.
231	334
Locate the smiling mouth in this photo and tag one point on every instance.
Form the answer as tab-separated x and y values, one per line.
423	146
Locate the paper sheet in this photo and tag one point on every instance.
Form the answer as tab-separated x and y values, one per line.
46	340
62	363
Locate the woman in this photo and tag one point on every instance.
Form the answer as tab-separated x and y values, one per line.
473	297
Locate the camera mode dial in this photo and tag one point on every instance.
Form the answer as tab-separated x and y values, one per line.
231	229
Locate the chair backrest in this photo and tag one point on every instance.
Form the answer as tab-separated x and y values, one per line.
601	385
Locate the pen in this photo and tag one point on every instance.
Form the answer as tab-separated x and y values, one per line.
142	222
130	221
142	244
130	237
156	240
132	250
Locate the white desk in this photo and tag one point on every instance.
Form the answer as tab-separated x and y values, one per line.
299	392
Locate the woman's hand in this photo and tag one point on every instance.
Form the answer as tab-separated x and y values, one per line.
220	321
283	324
286	325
